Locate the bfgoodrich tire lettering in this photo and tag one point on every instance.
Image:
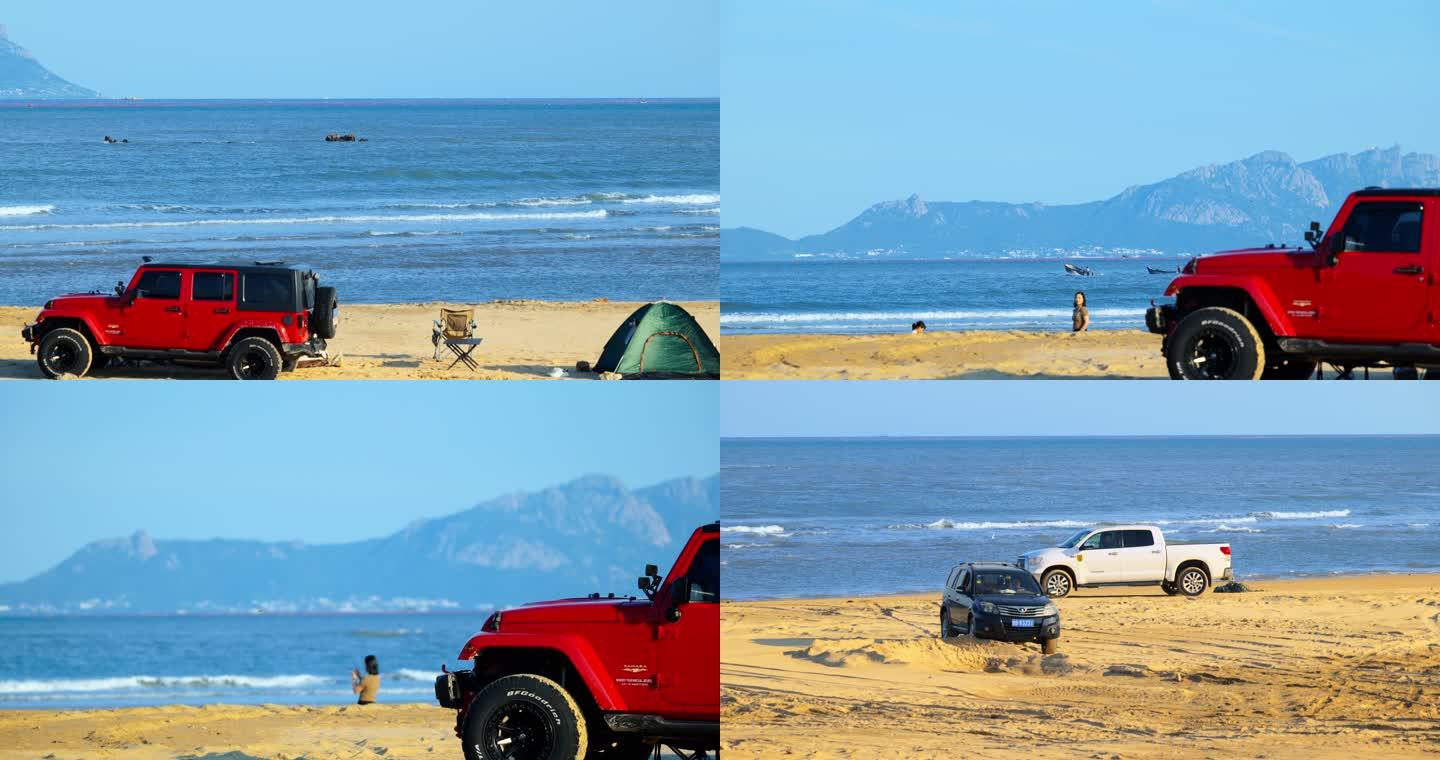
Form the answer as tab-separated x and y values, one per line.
64	351
524	717
1215	343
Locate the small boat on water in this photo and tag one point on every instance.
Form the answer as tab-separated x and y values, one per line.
1156	270
1079	270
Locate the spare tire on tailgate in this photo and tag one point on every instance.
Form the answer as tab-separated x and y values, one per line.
326	317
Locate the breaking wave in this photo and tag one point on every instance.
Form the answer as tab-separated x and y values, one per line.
61	685
764	530
1301	515
743	318
25	210
363	219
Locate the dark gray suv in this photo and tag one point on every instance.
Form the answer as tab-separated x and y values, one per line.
997	600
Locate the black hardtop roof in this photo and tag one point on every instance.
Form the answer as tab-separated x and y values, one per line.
252	266
1389	191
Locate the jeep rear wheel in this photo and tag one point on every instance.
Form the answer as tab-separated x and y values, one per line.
1215	343
64	351
325	320
253	359
1192	581
1056	583
524	717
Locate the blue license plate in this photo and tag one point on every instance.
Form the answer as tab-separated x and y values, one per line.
1022	623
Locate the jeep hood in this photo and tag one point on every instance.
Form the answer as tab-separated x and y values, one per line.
80	300
582	610
1250	259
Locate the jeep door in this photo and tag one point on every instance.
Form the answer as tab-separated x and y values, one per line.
689	674
1100	559
1376	292
210	308
152	315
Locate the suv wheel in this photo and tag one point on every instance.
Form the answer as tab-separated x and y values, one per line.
946	630
1192	581
1049	646
1056	583
1215	343
524	717
253	359
64	351
325	320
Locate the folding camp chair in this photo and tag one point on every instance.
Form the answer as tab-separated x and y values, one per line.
455	331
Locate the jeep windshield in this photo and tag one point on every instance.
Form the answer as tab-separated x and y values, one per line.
1075	539
1005	582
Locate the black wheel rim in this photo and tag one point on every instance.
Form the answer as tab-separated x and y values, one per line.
252	363
62	356
1212	355
519	731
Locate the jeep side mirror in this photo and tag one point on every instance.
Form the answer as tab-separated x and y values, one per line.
643	583
652	570
679	596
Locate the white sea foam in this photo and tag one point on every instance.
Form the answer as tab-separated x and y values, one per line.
410	674
1342	526
947	524
764	530
743	318
1234	529
25	210
695	199
121	683
361	219
1301	515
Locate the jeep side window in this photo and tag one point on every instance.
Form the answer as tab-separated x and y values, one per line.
1138	538
704	573
1385	227
267	290
213	286
155	283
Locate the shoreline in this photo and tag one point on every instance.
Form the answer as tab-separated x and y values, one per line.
523	340
1320	667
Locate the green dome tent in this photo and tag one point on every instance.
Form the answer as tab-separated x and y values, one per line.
660	340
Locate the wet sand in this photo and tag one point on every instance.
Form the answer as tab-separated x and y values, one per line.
522	340
1327	668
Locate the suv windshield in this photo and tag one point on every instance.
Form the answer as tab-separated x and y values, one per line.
1075	539
1005	582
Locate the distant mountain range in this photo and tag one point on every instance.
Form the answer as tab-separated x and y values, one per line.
591	534
22	77
1266	198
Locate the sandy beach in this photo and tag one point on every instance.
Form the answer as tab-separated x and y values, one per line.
522	340
1336	667
976	354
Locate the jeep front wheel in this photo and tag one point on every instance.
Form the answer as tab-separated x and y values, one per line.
524	717
1056	583
64	351
253	359
1215	343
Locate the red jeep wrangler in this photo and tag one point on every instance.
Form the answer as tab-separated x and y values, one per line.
599	677
255	320
1365	296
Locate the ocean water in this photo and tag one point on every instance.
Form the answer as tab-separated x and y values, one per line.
118	661
448	200
886	296
851	517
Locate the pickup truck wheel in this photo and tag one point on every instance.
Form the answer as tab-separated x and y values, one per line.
1049	646
524	717
64	351
253	359
1056	583
1290	369
1215	343
325	319
1192	581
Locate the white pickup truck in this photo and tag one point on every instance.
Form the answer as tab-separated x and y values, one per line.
1127	555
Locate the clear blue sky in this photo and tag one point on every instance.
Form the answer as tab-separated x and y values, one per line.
1067	407
370	48
317	461
832	105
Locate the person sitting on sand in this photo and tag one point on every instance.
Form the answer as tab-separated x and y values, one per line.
368	686
1080	318
917	327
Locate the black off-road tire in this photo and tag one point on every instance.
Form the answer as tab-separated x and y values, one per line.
1050	646
1061	586
1192	581
253	359
1215	343
1290	369
554	720
64	351
947	631
325	319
